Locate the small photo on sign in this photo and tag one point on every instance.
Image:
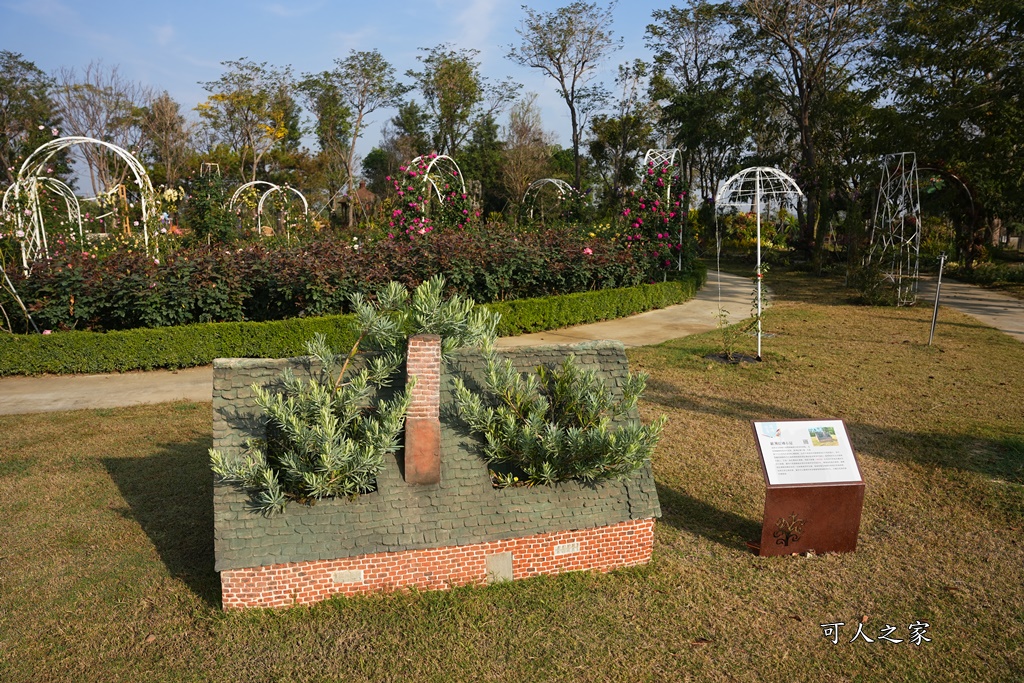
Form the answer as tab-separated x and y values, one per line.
823	436
806	452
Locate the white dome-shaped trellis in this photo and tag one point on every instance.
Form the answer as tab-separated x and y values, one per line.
750	187
659	157
562	188
33	243
895	243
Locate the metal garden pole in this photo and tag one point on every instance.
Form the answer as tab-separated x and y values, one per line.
938	288
757	205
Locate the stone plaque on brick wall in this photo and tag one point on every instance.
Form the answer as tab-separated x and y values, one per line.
814	489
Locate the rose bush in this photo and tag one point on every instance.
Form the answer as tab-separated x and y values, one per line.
81	289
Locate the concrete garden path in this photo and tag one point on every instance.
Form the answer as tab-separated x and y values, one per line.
991	307
700	314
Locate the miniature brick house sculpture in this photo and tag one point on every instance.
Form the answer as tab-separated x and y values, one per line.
435	520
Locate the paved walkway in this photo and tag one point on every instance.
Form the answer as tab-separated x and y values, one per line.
700	314
991	307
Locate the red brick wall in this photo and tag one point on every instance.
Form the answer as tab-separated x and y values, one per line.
282	585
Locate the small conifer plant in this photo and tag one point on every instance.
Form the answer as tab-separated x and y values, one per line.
327	436
556	424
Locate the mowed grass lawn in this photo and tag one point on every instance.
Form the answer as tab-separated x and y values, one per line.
106	551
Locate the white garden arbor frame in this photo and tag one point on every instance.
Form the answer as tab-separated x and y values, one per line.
271	189
896	228
282	189
438	172
33	242
751	187
30	179
655	158
562	188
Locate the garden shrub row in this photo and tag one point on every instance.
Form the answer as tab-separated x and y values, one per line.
198	344
523	316
988	273
124	289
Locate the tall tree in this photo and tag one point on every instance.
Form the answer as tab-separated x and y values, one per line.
953	75
452	88
362	83
527	152
102	104
811	47
28	115
620	140
697	85
481	162
247	112
569	45
168	137
333	130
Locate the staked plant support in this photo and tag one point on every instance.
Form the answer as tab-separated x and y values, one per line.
895	243
31	175
751	187
655	158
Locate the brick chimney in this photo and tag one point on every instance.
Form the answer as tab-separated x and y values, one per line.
423	421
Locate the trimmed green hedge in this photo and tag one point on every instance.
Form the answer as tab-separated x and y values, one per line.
193	345
166	347
523	316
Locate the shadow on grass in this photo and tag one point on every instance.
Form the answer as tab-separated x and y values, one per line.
999	457
668	395
792	284
170	495
687	513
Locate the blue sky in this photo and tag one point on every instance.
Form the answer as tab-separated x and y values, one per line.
173	46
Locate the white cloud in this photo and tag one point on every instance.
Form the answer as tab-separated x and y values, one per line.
164	35
476	23
291	11
61	18
354	40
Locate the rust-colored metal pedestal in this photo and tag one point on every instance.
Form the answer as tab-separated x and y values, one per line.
824	518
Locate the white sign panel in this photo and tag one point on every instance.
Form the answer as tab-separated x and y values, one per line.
806	452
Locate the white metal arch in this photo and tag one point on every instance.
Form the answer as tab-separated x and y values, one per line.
242	188
435	170
277	188
748	188
563	189
34	242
